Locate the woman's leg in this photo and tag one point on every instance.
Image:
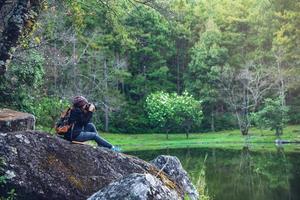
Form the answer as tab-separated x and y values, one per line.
102	142
90	127
85	136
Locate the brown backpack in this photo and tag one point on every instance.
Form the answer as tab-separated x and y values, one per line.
62	126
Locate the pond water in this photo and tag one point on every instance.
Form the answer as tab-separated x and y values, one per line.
236	175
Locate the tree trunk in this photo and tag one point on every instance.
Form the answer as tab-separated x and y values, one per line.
245	130
187	133
278	131
245	112
212	121
74	62
106	118
20	22
177	72
281	77
106	110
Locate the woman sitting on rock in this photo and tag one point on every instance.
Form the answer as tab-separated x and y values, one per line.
83	129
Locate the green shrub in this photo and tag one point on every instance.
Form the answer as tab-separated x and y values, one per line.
171	110
21	84
47	111
273	115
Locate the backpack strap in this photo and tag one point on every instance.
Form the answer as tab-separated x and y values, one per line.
72	128
65	113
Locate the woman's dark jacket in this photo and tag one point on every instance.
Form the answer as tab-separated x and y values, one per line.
80	119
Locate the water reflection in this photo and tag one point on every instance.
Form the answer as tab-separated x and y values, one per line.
235	175
259	176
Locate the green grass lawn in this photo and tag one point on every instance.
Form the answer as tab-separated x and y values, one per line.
232	139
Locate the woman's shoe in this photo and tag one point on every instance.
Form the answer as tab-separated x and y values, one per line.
116	149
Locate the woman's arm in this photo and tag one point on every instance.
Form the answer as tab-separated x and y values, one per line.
80	117
87	116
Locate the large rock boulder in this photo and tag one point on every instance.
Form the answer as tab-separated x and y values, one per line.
40	166
11	121
173	168
137	186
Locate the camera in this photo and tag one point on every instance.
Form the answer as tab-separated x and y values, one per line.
87	106
90	107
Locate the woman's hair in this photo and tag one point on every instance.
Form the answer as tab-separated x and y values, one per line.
79	101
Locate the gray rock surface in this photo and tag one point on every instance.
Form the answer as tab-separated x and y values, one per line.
173	168
40	166
137	187
11	121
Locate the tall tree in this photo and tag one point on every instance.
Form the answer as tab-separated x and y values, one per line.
207	60
148	61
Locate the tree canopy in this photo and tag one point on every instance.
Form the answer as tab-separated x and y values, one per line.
229	55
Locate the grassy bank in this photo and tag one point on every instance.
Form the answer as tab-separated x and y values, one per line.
256	140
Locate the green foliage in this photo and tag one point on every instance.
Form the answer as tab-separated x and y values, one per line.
294	111
118	52
132	119
2	177
201	182
187	111
47	111
28	72
273	115
287	34
169	110
208	57
11	195
221	121
148	60
159	107
23	80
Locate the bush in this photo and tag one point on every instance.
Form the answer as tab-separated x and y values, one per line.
171	110
273	115
47	111
22	81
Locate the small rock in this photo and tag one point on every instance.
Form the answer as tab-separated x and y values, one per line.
23	138
11	121
14	150
26	141
19	136
10	174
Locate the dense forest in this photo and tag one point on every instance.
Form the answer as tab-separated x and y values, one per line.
238	59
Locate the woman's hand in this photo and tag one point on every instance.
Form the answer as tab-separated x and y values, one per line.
92	108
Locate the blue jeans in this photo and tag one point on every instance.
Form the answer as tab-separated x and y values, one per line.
90	133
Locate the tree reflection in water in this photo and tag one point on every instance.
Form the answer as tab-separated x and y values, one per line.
236	175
